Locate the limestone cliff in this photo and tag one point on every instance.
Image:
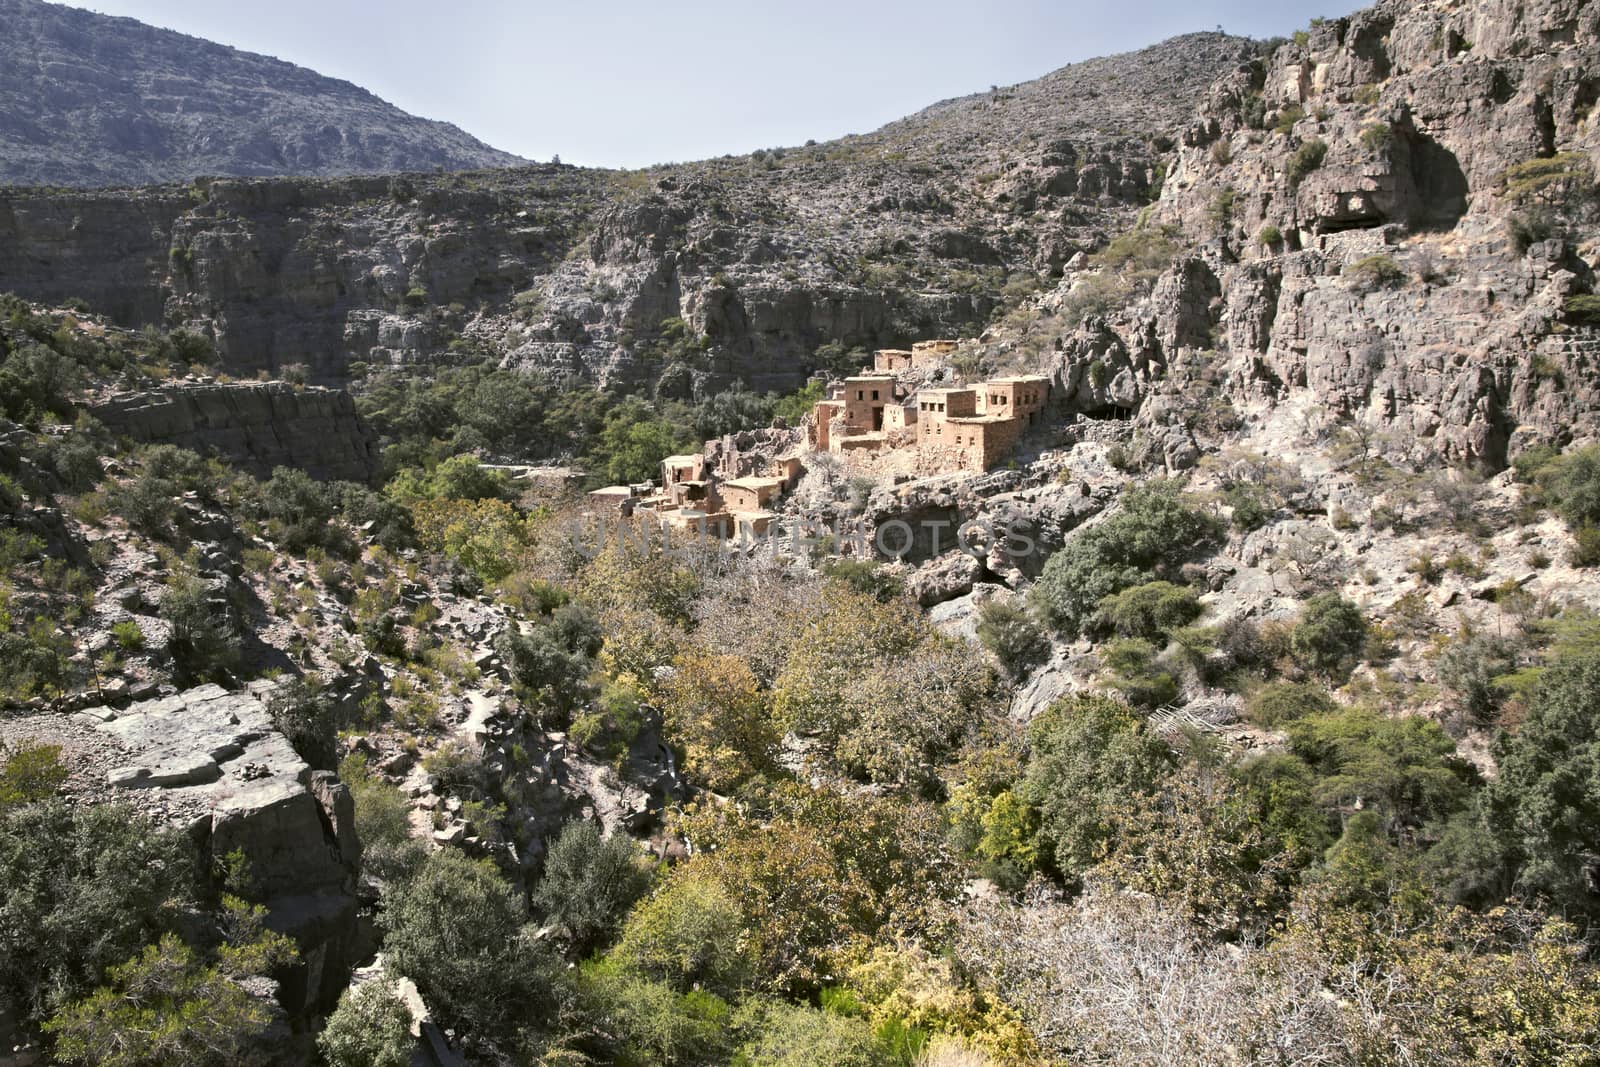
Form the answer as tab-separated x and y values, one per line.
255	425
915	230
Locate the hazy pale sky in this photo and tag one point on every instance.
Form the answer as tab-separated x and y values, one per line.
629	83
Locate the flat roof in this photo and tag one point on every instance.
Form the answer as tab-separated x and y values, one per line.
754	483
1017	379
969	420
695	458
612	490
947	390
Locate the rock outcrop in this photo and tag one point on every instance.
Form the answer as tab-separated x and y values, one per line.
256	426
212	759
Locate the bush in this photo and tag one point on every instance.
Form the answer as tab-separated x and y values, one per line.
1013	636
168	1005
1377	138
1305	160
1329	635
690	935
80	891
29	772
383	822
1150	611
202	640
1469	669
298	508
795	1036
1280	703
304	714
128	636
641	1021
371	1027
1584	310
1269	236
1374	272
1153	531
455	929
589	882
1088	756
1287	118
1136	671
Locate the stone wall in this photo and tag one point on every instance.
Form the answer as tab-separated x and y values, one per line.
255	425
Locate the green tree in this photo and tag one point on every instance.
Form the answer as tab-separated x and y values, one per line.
1088	758
1152	531
1329	635
168	1005
456	929
371	1027
1545	802
590	881
81	890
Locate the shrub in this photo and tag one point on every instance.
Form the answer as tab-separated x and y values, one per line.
689	934
304	714
1377	137
1012	635
1585	546
1469	669
1150	611
1584	310
168	1005
1560	179
1269	236
1374	272
1087	757
298	508
1287	118
202	639
29	772
789	1035
1305	160
371	1027
383	822
1329	634
456	930
82	891
642	1021
589	882
128	636
1138	674
1154	530
613	720
1280	703
1574	484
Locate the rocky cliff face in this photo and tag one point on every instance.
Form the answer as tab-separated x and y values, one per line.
86	99
1390	215
877	240
256	426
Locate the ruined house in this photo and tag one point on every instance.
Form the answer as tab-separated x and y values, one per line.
936	429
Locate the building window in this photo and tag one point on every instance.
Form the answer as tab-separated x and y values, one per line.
860	395
874	394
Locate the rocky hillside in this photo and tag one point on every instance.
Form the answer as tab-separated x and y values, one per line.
925	228
87	99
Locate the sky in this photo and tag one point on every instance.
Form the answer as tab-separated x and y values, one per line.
630	84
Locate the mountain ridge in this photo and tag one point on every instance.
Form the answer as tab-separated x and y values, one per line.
90	100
